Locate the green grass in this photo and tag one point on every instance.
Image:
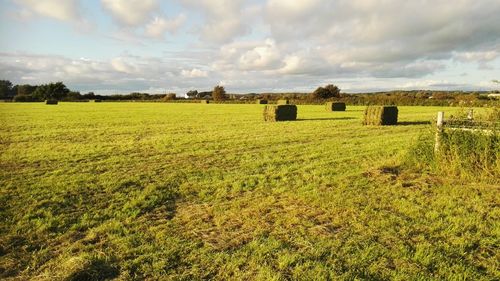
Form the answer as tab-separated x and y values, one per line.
189	192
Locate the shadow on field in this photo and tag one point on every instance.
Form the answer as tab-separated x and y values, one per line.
325	119
414	123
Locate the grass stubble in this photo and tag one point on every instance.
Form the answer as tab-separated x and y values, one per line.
185	191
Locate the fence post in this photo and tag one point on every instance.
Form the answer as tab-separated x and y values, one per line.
439	131
470	115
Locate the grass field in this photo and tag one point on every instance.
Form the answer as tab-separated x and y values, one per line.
191	191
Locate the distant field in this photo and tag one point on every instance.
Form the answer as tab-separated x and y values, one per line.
191	191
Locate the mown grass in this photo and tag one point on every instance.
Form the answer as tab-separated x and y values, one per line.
191	191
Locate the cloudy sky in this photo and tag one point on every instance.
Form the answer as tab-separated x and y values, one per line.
119	46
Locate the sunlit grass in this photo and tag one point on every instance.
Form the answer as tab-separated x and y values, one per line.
192	191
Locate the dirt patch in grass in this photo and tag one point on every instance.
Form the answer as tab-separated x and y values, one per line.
236	223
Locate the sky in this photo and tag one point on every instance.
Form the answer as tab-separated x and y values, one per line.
164	46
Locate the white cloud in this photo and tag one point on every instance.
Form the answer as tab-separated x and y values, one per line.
224	19
63	10
477	56
261	57
390	31
277	44
296	10
131	12
121	65
121	74
194	73
159	26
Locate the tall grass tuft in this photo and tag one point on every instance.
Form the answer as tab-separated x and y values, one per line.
468	154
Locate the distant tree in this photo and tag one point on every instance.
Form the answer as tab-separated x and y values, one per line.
442	96
264	96
204	95
5	89
496	81
89	96
333	91
329	91
73	96
51	91
25	90
192	94
219	93
23	98
170	96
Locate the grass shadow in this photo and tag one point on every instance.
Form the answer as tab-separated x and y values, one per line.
412	123
326	119
93	269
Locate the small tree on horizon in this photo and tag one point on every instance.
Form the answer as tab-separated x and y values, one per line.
192	94
329	91
170	96
51	91
219	93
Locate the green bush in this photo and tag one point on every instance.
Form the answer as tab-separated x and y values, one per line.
470	153
24	98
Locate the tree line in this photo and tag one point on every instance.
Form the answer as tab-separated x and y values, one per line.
59	91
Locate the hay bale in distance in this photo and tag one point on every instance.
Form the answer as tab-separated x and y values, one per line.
335	106
95	100
205	101
51	102
283	112
261	101
283	102
381	115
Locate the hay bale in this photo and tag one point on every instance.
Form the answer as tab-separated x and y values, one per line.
335	106
283	112
283	102
51	102
205	101
95	100
381	115
260	101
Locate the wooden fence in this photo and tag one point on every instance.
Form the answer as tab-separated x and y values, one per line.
467	124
